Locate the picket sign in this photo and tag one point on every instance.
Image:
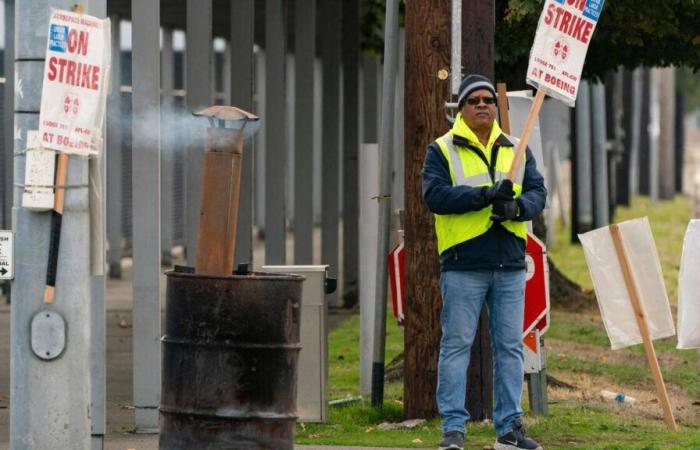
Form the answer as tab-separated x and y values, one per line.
640	315
73	97
688	295
75	83
561	42
558	53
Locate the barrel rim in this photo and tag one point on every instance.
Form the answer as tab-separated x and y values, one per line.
223	413
251	276
168	339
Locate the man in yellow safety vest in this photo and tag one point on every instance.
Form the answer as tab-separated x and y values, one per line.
480	225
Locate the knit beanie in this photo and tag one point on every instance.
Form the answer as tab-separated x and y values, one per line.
472	83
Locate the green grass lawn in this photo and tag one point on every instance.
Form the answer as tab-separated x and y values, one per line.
571	424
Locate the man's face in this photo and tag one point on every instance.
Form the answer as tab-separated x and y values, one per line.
479	110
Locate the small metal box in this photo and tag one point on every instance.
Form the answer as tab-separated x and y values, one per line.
312	379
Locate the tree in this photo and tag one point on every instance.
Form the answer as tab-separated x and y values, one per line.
427	51
630	33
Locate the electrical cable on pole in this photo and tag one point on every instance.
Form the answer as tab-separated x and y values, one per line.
456	58
391	29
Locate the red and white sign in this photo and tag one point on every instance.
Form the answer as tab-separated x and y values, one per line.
396	271
536	287
561	42
76	77
533	356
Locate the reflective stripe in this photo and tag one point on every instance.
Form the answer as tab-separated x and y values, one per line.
458	169
477	180
501	175
455	161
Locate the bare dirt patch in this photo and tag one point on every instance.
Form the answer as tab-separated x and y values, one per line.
646	403
608	356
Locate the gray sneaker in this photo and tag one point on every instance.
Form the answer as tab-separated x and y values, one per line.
516	440
452	440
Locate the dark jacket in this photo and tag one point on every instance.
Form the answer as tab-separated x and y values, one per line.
497	248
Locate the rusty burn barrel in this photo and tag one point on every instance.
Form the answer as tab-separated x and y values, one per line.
230	354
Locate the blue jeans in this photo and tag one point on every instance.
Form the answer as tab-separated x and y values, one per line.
463	294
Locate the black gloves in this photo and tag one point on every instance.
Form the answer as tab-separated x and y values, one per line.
501	196
502	189
504	210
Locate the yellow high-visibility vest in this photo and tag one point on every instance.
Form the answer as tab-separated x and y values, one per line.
468	169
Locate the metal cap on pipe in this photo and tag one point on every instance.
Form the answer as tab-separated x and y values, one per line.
238	119
228	113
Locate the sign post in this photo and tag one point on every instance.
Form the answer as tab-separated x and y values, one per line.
535	323
51	346
537	287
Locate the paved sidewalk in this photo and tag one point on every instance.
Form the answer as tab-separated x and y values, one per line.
151	443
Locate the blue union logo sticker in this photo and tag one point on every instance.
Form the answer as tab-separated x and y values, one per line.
58	36
593	9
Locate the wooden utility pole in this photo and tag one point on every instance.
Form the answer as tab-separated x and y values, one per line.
428	27
478	35
427	88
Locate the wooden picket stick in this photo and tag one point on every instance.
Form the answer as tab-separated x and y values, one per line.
527	130
503	115
639	314
57	214
56	221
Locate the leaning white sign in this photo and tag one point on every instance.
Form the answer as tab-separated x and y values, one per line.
76	78
564	31
613	296
688	283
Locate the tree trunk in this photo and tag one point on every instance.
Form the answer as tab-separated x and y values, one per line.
427	52
478	29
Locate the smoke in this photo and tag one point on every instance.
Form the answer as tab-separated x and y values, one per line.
179	128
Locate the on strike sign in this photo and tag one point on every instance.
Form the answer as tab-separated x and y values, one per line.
563	34
76	76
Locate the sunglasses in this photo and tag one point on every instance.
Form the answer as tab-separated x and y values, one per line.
476	100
